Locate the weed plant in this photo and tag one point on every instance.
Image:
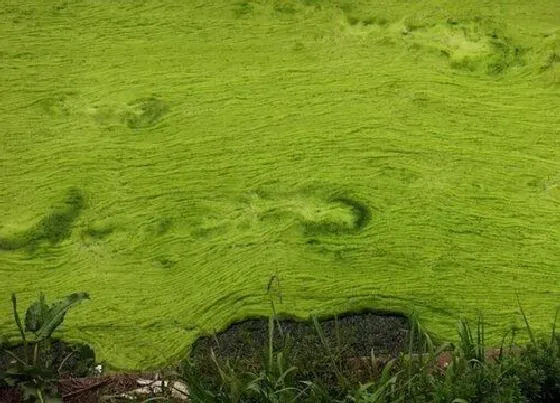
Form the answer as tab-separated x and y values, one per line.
426	372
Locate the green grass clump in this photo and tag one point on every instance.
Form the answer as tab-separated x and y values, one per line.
425	372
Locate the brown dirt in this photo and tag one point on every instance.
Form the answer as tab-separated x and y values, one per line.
10	395
92	390
349	341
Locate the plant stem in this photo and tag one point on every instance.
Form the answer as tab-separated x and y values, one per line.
20	326
270	343
35	353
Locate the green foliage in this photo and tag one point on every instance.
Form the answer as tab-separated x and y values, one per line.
36	375
275	382
423	373
377	391
43	319
539	368
467	372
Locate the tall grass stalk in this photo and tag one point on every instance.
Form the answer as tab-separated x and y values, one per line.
20	326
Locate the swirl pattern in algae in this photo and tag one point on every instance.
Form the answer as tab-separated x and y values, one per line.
168	157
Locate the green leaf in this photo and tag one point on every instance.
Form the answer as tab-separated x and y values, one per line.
55	314
28	373
17	319
34	316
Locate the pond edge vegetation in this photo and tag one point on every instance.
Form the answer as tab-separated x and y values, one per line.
424	371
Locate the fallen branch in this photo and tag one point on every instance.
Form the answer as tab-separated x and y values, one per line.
86	389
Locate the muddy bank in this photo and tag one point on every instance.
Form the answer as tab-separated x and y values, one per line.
347	341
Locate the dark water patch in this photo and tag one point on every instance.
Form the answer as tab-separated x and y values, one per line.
57	225
360	210
12	243
53	228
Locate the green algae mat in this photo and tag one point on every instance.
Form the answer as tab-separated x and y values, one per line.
169	157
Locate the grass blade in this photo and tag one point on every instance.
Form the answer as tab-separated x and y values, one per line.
529	331
19	325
